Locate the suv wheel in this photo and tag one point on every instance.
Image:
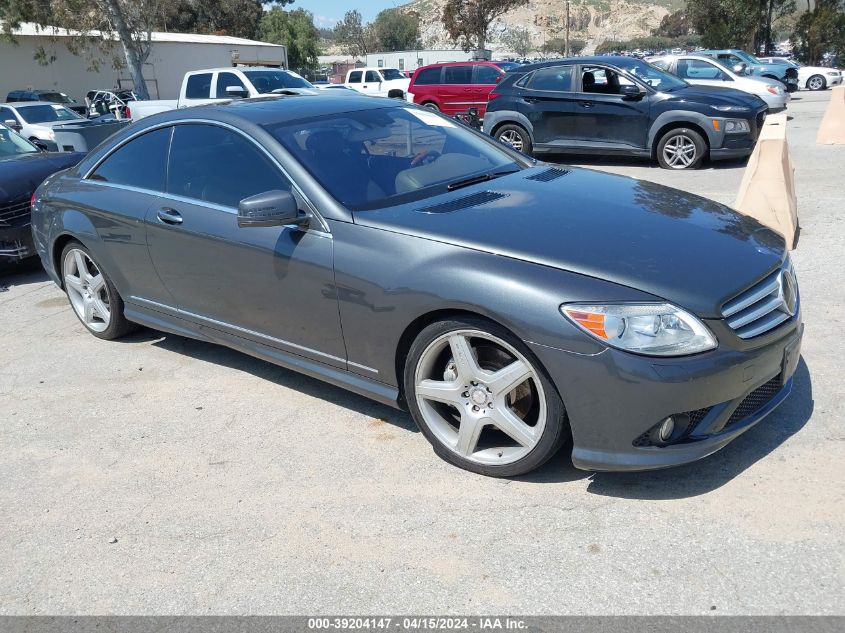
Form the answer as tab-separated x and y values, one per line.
816	82
681	148
481	399
431	106
516	136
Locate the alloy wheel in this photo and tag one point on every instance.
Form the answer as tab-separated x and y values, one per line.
512	138
815	83
86	289
679	152
480	397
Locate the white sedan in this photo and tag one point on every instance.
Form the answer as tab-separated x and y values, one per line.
810	77
706	71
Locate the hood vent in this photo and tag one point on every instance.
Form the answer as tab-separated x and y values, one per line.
472	200
552	173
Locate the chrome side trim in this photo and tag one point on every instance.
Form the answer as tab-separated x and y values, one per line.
249	332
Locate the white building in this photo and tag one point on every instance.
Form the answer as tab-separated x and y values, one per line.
411	60
171	56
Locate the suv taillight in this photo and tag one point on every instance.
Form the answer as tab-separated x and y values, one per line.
128	113
493	95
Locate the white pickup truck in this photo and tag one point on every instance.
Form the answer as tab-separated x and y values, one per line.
223	84
378	82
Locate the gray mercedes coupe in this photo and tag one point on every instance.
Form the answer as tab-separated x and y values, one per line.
512	306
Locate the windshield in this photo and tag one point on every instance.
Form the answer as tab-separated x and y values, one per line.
47	114
658	79
391	73
12	145
747	57
382	157
55	97
266	81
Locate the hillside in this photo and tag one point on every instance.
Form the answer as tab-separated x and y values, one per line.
592	20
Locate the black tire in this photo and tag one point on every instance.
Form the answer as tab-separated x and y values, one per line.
555	433
118	325
431	106
681	135
816	82
515	132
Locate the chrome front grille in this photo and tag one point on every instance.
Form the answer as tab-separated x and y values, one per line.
764	306
9	213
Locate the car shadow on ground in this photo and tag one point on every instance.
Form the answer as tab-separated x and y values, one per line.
632	161
220	355
28	271
709	473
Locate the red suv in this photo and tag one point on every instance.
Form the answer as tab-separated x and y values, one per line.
456	86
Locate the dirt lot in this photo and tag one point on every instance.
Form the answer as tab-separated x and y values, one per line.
163	475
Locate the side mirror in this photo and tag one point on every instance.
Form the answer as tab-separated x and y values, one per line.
236	92
739	69
630	91
271	208
41	145
12	125
499	78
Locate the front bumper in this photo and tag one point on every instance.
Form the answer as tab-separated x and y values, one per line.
16	242
614	399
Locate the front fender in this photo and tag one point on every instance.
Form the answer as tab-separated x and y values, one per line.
387	282
714	138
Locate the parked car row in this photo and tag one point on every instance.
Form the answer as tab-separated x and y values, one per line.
390	250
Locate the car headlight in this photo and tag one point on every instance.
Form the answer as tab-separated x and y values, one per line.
775	90
833	74
736	126
654	329
731	108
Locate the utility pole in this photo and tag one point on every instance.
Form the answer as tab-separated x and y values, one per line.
566	45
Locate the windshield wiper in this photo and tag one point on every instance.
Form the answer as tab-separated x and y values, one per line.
472	180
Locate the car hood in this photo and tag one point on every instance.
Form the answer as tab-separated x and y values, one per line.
21	175
672	244
715	95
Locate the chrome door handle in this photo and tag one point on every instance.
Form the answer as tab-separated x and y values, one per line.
586	104
169	216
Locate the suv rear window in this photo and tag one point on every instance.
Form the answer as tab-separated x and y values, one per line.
428	76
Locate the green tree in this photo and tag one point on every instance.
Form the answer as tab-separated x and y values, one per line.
294	29
518	40
820	30
557	46
743	24
354	37
397	30
468	21
238	18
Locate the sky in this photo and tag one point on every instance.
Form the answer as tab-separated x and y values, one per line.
327	13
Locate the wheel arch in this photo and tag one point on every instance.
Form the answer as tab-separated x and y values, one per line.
672	125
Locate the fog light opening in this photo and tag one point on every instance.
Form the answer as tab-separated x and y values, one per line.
667	427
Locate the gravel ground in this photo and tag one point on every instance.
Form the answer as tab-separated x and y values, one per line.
160	475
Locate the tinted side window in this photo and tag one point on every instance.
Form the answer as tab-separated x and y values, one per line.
555	79
428	77
355	77
486	75
139	163
457	75
217	165
199	86
372	76
224	80
6	115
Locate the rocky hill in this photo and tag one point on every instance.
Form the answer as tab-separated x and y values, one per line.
592	20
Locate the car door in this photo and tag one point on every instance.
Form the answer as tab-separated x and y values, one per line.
484	79
271	285
457	89
604	118
372	83
701	72
546	99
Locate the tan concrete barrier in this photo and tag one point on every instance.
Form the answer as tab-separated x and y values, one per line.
832	129
767	192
